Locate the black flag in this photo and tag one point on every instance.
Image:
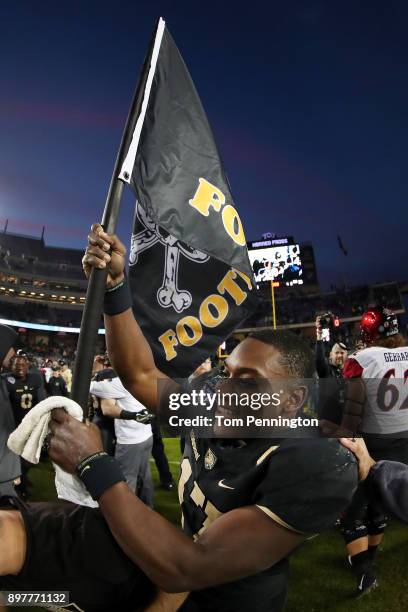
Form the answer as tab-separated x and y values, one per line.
190	275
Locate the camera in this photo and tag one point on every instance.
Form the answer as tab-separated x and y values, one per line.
327	320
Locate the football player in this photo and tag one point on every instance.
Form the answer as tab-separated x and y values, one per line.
25	388
246	504
375	408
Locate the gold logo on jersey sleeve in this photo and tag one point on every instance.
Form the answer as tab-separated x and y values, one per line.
209	460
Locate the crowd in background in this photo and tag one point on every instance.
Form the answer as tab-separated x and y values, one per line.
299	308
38	312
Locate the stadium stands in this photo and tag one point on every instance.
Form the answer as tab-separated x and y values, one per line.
346	303
45	285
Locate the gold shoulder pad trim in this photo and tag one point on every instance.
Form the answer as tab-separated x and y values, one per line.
278	520
266	453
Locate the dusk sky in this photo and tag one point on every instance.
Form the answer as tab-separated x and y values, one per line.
308	102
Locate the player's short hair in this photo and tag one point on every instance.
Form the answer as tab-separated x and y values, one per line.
296	355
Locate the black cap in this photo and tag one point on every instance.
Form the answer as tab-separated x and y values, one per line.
8	339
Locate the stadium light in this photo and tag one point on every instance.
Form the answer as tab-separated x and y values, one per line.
41	327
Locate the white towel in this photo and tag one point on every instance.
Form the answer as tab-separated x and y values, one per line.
29	437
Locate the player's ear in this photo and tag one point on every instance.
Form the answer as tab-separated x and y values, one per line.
295	400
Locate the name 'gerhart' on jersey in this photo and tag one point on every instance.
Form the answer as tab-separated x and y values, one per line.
390	357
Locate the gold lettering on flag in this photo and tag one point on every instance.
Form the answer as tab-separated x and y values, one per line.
213	311
209	196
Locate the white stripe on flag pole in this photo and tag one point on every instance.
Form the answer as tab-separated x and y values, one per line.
127	167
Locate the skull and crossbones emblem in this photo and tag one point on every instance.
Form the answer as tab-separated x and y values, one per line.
169	294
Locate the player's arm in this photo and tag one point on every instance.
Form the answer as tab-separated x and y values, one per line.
322	368
129	351
320	357
248	539
109	391
167	602
13	542
110	408
385	480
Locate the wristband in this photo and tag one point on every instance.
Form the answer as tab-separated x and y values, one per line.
88	459
143	416
98	473
117	299
127	415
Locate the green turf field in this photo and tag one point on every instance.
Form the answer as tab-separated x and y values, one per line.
320	579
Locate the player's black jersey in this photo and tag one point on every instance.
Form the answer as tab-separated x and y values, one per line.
24	394
303	484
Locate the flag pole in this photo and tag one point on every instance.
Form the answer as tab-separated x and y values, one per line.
273	305
97	281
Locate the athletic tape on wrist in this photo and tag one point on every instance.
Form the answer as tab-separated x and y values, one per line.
99	472
127	415
117	299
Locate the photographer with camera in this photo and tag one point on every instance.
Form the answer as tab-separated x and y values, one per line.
329	366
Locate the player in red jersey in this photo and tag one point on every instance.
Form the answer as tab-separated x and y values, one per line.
376	409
